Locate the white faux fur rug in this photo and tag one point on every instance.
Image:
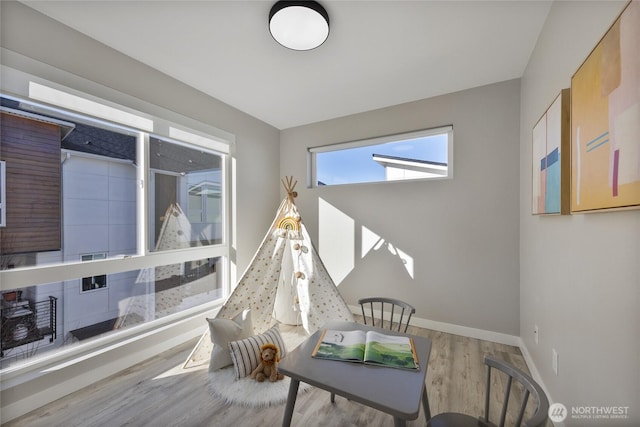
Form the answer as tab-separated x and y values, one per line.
251	393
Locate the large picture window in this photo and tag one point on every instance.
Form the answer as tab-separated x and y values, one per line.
132	224
425	154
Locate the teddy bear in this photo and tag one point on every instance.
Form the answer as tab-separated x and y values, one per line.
268	367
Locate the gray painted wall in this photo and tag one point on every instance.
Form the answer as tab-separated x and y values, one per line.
580	274
462	233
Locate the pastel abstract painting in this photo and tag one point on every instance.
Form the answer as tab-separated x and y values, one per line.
550	189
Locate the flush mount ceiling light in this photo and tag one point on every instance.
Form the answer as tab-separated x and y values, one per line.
299	25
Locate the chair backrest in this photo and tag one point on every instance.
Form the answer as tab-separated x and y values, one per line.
399	312
531	389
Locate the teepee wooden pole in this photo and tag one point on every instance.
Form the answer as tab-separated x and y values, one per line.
289	186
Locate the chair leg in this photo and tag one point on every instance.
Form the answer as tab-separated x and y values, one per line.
425	403
333	398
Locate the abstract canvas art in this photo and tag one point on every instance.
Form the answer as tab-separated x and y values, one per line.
550	190
605	120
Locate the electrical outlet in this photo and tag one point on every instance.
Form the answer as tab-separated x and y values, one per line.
536	333
554	360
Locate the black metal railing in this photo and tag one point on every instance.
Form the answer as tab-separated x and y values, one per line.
24	322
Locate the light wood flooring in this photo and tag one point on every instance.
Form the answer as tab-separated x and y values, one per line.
159	392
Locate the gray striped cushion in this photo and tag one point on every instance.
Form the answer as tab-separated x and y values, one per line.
246	353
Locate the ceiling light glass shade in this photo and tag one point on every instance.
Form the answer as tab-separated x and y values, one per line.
299	25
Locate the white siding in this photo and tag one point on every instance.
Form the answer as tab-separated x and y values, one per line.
99	208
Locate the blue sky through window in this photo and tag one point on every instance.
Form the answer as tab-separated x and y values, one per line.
356	165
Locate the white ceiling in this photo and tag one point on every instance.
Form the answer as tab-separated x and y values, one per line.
379	53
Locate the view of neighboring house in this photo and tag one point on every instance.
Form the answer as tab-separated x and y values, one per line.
73	198
396	168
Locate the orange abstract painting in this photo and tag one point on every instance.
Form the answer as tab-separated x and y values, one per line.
605	120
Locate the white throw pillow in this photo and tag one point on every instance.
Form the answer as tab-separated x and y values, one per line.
246	352
222	332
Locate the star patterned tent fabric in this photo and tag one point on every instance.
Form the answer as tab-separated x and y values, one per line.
285	282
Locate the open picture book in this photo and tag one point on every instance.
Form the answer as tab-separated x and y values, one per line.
367	347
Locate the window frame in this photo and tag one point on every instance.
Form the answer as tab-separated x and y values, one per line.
93	257
3	193
312	170
151	186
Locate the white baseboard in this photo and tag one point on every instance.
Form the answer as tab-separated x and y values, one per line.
467	331
464	331
535	374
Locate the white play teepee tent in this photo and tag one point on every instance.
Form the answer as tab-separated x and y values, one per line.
285	282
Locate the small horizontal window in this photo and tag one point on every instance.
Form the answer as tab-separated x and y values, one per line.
424	154
94	282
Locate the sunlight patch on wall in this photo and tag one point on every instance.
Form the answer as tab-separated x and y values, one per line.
336	240
371	241
406	260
